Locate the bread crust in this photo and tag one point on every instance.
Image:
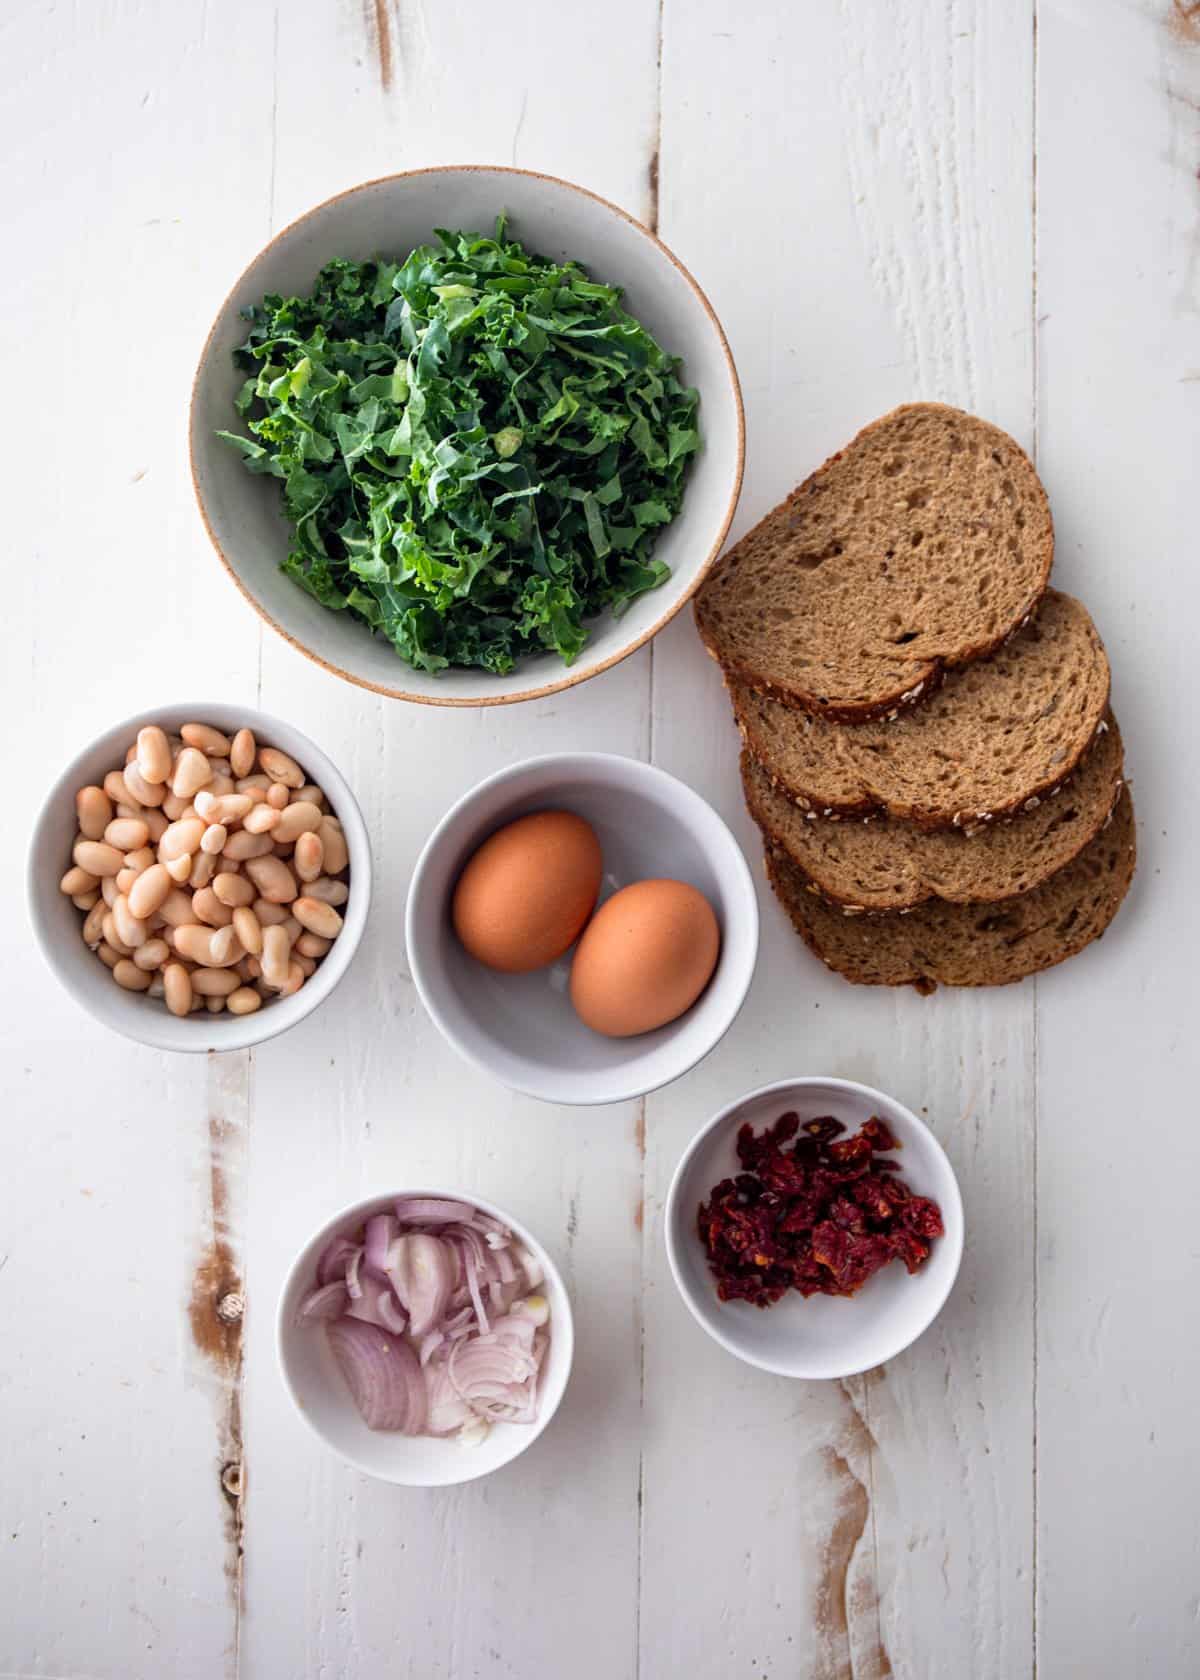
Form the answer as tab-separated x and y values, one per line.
1113	852
829	888
926	674
870	801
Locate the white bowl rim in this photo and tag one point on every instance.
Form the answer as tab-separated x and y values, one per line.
950	1203
567	759
560	1334
260	1027
568	679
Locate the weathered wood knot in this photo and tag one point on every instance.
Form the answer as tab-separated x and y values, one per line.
231	1307
231	1480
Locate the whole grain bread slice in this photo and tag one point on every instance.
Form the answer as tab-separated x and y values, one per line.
921	546
997	737
887	864
969	944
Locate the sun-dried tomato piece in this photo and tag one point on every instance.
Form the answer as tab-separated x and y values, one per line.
818	1217
923	1216
879	1133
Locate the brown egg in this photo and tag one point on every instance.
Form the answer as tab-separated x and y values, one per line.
646	956
526	893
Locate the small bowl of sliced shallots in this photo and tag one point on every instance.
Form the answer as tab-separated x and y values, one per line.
425	1336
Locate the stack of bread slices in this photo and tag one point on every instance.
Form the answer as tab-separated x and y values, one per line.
928	748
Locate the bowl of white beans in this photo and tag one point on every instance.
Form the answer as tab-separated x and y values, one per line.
199	877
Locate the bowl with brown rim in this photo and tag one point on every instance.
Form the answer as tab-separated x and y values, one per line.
553	218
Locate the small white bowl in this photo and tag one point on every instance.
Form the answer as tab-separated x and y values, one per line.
824	1336
319	1391
241	512
57	924
522	1028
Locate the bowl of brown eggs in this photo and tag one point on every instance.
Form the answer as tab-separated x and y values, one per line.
582	926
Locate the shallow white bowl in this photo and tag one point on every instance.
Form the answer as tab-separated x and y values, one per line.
554	219
825	1336
57	924
522	1027
319	1391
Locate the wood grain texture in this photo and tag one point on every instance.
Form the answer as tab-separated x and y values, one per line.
1119	354
855	189
845	1530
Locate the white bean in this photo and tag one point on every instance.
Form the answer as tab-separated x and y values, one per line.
334	841
78	880
192	772
329	892
210	947
130	928
242	752
142	791
244	1001
233	889
129	976
276	951
153	755
85	901
98	858
182	836
299	818
152	954
207	908
280	768
308	859
316	917
262	819
242	846
273	878
215	982
149	890
208	740
213	839
176	908
93	927
180	868
270	915
248	929
127	833
177	989
204	867
277	796
312	945
93	811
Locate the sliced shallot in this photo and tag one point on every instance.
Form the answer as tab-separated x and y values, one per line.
382	1374
421	1269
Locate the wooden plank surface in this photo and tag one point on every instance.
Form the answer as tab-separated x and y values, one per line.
879	208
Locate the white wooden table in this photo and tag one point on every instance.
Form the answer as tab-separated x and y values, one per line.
992	203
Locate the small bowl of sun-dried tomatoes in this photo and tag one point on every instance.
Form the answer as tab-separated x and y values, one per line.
815	1227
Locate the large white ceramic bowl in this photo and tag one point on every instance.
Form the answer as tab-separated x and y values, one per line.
319	1391
522	1028
824	1336
57	924
554	219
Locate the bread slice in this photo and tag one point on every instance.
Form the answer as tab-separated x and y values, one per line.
920	546
969	944
997	737
886	864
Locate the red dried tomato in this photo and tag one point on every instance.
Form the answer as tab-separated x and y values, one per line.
820	1217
